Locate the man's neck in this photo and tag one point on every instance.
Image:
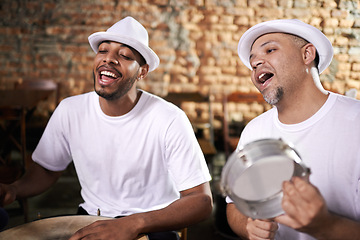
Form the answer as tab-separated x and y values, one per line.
120	106
300	108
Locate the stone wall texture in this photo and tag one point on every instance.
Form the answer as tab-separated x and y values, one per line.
196	41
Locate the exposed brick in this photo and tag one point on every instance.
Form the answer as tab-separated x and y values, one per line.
329	4
355	76
346	23
339	13
196	40
285	3
353	83
355	67
341	41
298	13
331	23
269	12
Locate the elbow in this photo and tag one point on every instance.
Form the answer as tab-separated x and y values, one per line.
208	206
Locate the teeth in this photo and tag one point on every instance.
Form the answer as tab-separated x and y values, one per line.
107	73
261	75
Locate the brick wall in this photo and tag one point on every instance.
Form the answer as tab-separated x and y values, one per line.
196	41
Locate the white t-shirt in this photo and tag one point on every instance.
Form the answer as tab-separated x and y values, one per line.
133	163
328	143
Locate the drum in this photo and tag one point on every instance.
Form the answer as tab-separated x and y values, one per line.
252	177
59	228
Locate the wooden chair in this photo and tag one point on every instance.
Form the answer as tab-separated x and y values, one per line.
16	107
230	141
53	98
183	234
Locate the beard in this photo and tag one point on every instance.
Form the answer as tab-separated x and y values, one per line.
274	96
121	91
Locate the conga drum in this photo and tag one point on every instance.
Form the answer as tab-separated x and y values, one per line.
59	228
252	176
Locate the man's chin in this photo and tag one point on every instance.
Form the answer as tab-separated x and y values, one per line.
103	94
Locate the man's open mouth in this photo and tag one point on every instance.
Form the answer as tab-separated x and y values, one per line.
264	77
108	74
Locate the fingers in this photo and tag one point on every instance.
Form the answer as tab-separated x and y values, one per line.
302	203
105	229
300	196
305	188
85	231
7	195
261	229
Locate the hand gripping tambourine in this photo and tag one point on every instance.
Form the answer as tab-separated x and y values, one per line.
252	176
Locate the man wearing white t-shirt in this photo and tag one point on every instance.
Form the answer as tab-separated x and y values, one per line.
136	155
285	57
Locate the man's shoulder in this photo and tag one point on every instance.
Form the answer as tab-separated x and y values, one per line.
261	122
160	103
79	98
76	103
264	117
346	105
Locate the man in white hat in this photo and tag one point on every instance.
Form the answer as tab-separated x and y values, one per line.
285	57
136	155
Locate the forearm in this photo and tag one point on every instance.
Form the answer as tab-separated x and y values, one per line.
188	210
237	221
337	227
35	181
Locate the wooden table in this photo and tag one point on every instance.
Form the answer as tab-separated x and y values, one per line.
24	98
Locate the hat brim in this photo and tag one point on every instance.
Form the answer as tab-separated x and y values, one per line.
149	55
290	26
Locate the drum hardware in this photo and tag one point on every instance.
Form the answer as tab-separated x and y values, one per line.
252	176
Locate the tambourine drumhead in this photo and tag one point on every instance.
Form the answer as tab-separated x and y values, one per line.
59	228
264	178
253	176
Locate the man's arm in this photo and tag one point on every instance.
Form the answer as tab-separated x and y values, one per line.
35	181
194	205
306	211
237	221
248	228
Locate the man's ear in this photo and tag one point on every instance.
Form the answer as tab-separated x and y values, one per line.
144	70
309	53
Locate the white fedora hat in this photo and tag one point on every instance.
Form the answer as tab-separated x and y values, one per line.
291	26
130	32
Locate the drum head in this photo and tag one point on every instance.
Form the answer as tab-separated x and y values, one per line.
264	178
59	228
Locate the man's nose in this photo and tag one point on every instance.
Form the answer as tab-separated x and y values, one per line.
110	58
256	62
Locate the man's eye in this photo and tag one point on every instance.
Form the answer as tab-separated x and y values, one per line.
102	51
271	50
125	57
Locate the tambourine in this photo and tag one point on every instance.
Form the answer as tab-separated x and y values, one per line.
252	176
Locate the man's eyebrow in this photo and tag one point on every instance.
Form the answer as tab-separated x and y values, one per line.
127	46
